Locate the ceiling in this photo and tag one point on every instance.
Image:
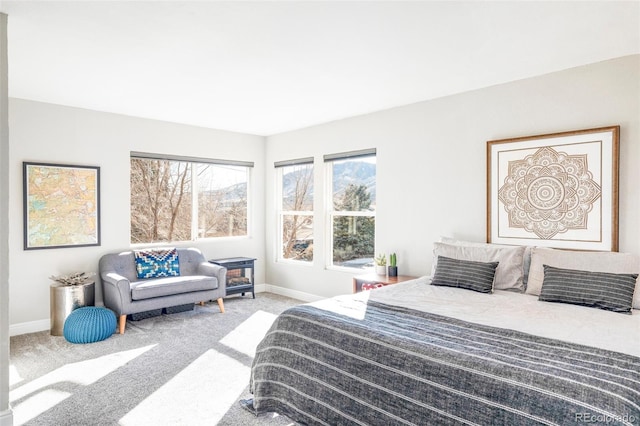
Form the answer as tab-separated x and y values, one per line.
268	67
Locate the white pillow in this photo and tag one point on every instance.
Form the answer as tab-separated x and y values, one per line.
527	251
593	261
510	271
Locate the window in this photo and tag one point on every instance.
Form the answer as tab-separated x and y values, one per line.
352	212
182	199
295	179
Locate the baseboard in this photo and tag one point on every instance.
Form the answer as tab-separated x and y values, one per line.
29	327
42	325
294	294
6	418
283	291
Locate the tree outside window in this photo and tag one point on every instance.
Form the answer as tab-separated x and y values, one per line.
222	200
296	213
165	207
353	192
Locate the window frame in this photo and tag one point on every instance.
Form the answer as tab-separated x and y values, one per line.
195	226
194	162
331	213
281	167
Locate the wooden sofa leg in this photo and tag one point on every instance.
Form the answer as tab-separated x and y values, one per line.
122	323
221	304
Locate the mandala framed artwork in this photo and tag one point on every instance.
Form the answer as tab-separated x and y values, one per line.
558	190
61	205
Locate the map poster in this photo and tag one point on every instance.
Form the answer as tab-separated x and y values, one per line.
61	206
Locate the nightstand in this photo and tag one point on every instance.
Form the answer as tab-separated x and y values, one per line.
358	280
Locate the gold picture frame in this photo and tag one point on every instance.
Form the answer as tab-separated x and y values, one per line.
556	190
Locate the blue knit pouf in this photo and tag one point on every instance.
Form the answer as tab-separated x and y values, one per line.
89	324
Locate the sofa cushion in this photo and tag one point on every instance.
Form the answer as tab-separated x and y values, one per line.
157	287
155	263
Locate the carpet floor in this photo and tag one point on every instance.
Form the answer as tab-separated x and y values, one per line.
188	368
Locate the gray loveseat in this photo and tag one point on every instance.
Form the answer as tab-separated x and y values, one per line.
124	293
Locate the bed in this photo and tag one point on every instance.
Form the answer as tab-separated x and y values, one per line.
421	352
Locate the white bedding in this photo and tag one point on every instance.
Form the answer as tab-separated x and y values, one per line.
516	311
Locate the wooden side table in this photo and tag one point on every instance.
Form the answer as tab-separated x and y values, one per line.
358	280
239	274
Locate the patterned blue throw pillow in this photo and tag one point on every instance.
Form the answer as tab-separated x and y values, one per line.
157	263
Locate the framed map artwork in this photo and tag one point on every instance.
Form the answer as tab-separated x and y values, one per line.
558	190
61	205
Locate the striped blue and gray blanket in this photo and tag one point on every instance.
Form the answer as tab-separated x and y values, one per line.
401	366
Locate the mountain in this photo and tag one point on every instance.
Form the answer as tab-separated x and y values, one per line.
356	173
344	173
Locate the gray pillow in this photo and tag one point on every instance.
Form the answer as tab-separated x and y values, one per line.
509	274
612	262
526	262
467	274
603	290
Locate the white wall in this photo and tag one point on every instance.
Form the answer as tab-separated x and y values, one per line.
431	172
6	415
58	134
431	161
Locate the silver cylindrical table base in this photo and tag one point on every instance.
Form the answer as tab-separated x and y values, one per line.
64	299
